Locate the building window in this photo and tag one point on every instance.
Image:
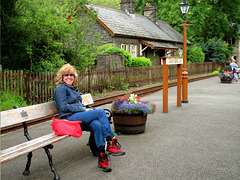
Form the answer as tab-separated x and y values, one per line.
133	50
124	47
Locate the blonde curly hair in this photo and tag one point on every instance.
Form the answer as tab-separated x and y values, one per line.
66	68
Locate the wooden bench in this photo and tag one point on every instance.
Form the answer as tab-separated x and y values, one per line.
32	113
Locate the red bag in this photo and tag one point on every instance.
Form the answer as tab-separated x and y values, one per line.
65	127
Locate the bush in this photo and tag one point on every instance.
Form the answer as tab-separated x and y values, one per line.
116	50
195	54
9	99
219	70
141	61
215	50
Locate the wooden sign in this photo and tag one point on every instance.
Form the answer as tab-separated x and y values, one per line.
173	60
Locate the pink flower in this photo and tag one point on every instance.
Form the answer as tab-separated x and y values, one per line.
123	98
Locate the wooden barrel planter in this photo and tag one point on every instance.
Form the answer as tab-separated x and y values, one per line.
226	80
129	123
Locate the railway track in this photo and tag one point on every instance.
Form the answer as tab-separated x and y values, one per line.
109	99
145	91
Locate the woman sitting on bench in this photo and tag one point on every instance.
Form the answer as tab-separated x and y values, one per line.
68	101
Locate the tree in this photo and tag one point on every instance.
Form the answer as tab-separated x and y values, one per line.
37	36
209	18
195	54
215	50
109	3
213	19
82	39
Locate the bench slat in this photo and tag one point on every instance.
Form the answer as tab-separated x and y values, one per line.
29	146
28	113
26	145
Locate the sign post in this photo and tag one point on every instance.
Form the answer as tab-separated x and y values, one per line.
165	86
171	61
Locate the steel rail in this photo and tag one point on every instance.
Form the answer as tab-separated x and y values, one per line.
109	99
143	92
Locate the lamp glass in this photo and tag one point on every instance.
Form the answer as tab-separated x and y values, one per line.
184	6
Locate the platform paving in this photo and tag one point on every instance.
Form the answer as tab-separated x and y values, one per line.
200	140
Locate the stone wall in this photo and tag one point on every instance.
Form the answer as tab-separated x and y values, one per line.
110	61
105	36
236	52
121	40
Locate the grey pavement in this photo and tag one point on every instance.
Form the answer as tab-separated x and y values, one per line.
200	140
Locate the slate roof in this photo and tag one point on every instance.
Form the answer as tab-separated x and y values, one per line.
159	45
134	25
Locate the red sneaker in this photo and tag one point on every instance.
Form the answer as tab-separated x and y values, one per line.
103	162
113	147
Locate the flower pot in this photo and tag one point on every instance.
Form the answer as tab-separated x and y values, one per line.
226	80
129	123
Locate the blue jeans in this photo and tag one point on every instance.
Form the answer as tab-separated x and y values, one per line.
97	122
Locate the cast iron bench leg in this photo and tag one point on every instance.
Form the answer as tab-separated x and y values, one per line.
46	148
27	171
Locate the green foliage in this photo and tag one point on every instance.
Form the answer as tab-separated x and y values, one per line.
209	19
104	47
219	69
83	39
109	3
215	50
195	54
214	72
38	36
98	50
9	99
116	50
124	84
141	61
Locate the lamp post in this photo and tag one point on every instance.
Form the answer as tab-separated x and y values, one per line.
184	6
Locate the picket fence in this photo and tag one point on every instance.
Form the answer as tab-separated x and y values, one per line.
39	87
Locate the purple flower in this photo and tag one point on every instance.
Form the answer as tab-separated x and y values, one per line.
126	105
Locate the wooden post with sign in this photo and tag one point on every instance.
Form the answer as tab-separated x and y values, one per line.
171	61
165	86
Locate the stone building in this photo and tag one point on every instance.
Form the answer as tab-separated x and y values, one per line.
236	52
141	35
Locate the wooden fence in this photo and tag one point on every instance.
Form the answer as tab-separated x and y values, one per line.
39	87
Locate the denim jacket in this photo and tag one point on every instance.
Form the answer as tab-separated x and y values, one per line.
68	100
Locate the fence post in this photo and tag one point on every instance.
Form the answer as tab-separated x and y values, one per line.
89	80
127	74
26	87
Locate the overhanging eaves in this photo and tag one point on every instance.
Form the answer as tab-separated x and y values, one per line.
159	45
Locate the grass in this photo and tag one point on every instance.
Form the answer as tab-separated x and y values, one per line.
9	99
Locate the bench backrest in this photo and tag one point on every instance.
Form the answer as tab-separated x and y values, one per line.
29	113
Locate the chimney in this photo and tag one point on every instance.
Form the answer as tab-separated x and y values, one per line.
150	12
128	6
